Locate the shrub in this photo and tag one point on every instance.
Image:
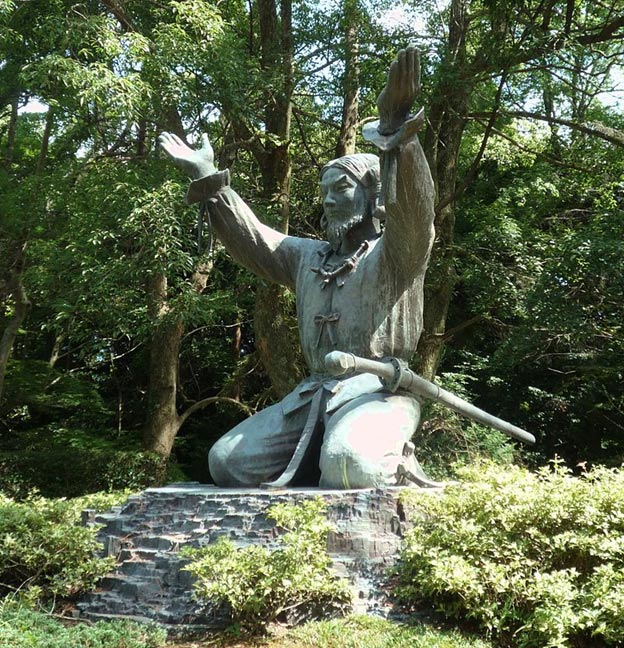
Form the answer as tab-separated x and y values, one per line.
259	584
24	628
44	551
100	502
537	556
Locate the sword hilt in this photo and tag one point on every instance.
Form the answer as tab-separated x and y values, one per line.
394	375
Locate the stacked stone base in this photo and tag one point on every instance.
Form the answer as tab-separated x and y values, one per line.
146	534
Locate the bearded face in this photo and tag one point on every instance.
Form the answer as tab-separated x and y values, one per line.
345	204
336	231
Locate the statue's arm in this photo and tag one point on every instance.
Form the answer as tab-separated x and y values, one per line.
408	194
261	249
409	233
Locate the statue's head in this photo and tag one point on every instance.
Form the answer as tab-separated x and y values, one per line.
350	187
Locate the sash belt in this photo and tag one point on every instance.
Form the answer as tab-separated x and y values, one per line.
311	426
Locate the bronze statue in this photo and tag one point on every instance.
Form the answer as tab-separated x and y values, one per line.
360	292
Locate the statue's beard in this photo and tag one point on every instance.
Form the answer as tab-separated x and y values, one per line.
337	230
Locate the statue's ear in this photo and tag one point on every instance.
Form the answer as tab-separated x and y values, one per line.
373	184
370	180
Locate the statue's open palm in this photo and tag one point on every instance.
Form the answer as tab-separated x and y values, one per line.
196	162
403	85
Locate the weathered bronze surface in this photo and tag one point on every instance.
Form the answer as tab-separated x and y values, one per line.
361	291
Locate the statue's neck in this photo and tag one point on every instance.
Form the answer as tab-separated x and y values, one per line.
351	241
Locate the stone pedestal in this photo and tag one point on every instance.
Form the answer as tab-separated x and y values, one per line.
146	534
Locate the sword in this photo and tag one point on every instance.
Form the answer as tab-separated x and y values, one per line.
395	373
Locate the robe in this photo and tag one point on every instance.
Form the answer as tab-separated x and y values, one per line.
372	307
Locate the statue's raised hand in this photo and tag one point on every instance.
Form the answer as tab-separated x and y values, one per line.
196	162
403	85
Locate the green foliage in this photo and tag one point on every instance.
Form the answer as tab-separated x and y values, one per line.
360	631
35	385
537	242
259	584
533	556
448	441
48	460
541	285
101	502
44	552
24	628
560	368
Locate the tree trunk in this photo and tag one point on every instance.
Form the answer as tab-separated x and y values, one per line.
45	141
548	97
15	289
11	133
276	48
162	419
56	349
447	121
276	337
351	82
141	140
237	338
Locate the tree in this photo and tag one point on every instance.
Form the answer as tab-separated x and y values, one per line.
94	235
100	73
487	45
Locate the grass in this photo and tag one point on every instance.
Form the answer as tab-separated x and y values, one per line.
370	632
23	628
351	632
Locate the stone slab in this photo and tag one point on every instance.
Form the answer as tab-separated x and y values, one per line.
146	534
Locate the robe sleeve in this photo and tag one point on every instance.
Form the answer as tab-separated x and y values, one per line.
262	250
409	197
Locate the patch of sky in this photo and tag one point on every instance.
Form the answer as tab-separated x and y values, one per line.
614	97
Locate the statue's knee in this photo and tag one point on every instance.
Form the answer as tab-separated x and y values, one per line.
364	441
344	467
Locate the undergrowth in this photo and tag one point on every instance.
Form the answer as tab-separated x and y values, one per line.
535	559
370	632
44	550
260	584
21	627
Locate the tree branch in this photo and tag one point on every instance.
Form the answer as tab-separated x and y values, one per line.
591	128
16	289
210	401
607	32
514	56
549	158
304	140
447	335
474	167
117	11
